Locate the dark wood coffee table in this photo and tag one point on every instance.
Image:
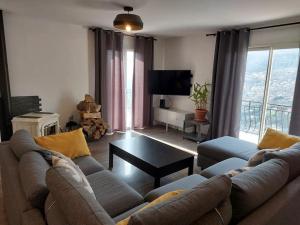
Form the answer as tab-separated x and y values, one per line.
153	157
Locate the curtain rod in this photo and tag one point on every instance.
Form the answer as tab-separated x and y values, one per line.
265	27
128	35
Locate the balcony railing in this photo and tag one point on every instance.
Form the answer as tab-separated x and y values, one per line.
277	117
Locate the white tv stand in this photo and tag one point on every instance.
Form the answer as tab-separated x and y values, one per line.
173	117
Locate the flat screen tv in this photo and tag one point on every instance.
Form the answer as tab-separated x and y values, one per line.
170	82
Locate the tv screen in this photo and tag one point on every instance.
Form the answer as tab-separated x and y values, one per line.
170	82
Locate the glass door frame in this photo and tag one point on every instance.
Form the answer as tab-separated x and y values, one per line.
271	49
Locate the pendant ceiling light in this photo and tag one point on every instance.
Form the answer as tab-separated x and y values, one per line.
127	21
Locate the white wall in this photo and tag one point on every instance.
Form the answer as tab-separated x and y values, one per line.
56	60
159	53
91	62
159	63
48	59
195	53
269	37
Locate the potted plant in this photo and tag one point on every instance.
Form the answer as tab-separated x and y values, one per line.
199	96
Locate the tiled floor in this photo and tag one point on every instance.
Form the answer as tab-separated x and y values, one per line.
133	176
172	137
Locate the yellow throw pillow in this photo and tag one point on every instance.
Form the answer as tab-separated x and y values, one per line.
155	202
71	144
277	139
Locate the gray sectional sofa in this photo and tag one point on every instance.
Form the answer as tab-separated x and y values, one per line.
269	194
26	195
221	155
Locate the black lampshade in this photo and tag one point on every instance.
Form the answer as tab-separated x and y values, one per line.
128	22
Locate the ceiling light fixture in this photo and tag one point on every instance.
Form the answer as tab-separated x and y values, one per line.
127	21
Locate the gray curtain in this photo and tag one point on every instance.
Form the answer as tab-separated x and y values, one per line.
109	77
143	63
228	80
295	117
5	96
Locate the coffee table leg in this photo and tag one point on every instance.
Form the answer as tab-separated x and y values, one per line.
111	159
191	168
156	182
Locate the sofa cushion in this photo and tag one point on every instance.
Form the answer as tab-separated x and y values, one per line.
22	142
185	183
72	144
88	164
227	147
281	209
223	167
277	139
252	188
74	198
33	217
224	210
53	214
114	195
157	201
188	207
291	155
32	170
129	212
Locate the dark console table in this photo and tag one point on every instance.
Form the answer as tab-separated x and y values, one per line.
153	157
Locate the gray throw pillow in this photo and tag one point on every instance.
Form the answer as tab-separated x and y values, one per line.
235	172
49	156
258	158
252	188
53	214
190	206
74	196
291	155
22	142
32	170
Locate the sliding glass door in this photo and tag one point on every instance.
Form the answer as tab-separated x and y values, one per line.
268	90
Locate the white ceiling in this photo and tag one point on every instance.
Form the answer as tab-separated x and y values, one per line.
161	17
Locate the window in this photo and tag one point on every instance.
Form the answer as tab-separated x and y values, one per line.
268	90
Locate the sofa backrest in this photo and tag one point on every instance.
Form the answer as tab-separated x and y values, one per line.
23	180
290	155
53	213
73	195
32	170
207	203
254	187
22	142
282	208
18	208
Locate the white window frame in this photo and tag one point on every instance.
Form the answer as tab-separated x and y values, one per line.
271	49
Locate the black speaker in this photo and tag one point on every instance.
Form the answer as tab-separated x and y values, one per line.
162	103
